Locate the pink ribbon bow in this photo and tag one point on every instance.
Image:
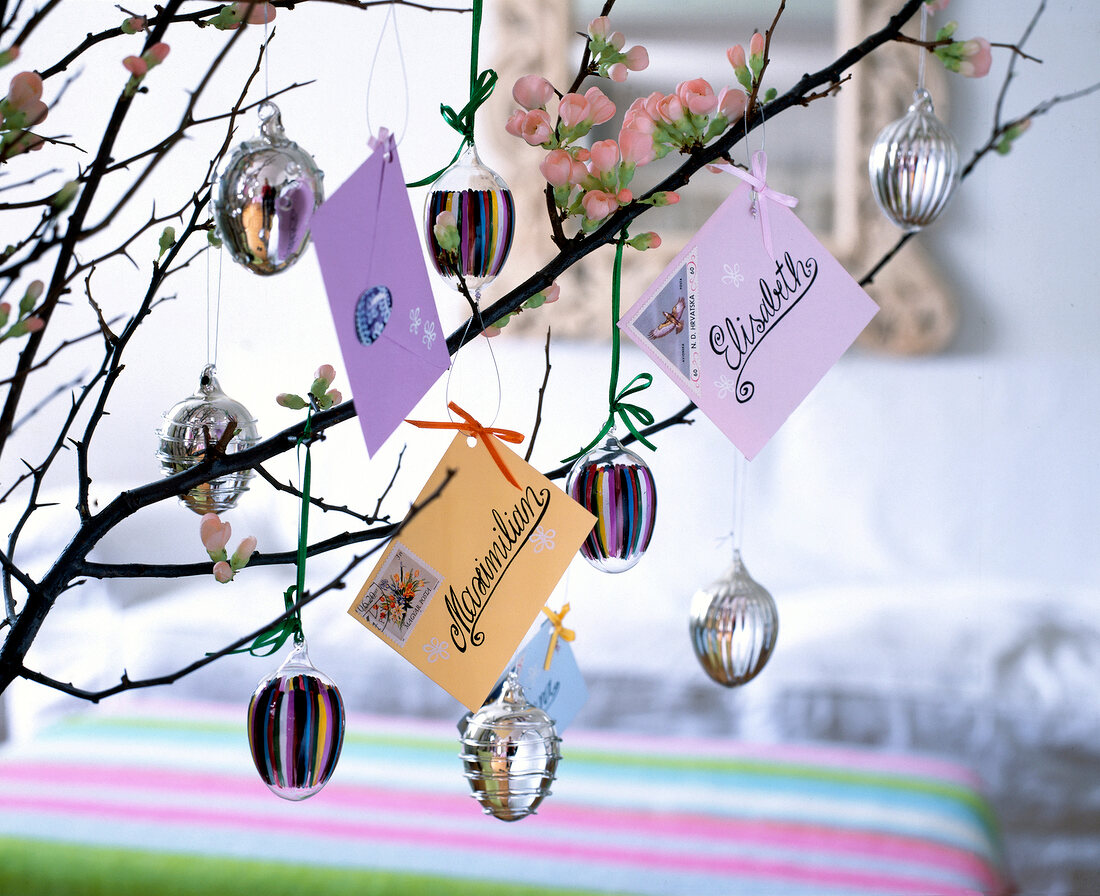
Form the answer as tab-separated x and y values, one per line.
757	180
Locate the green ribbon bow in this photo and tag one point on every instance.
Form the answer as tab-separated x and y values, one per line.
627	412
481	88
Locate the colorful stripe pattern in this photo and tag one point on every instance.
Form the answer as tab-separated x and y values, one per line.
623	498
295	732
486	221
628	815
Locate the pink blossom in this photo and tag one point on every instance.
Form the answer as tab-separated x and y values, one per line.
327	372
602	108
756	44
214	533
697	96
514	124
605	157
637	118
33	324
645	241
536	128
34	289
157	53
223	572
736	56
532	91
574	110
616	39
490	332
637	58
551	293
636	146
244	552
24	89
618	72
136	66
670	109
977	57
134	24
598	204
732	103
598	27
334	396
557	167
261	12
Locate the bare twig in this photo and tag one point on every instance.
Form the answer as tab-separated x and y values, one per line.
538	409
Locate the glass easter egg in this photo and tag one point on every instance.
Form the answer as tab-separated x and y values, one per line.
372	313
510	751
914	166
266	196
734	624
189	424
616	486
296	727
484	215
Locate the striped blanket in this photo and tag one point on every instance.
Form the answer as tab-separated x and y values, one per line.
161	797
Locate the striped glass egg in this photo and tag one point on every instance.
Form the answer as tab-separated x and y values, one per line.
296	728
188	426
617	487
510	751
914	166
485	215
734	624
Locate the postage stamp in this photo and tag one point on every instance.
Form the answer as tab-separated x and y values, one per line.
392	603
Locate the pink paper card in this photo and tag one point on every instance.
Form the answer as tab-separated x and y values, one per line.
745	335
380	295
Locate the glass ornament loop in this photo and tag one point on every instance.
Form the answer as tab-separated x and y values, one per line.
188	426
734	624
484	214
617	487
510	752
266	196
914	166
296	727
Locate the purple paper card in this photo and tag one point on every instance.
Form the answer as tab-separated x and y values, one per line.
744	335
379	293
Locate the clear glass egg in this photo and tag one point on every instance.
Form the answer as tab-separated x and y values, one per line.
188	425
485	215
734	624
296	727
266	196
617	487
914	166
510	751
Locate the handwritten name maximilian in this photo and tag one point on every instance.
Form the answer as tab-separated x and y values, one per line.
512	530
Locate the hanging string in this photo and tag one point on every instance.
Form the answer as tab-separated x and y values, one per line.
617	405
740	470
476	317
923	52
481	88
267	53
213	320
390	14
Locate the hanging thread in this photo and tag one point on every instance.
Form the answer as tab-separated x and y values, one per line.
627	412
404	74
481	88
923	52
213	321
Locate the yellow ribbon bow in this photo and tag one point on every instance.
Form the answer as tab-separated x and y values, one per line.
471	427
566	634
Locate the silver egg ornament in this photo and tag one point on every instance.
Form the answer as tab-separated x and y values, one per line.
734	624
510	753
189	425
266	197
617	487
485	215
914	166
296	727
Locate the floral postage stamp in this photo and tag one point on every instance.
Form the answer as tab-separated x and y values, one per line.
398	595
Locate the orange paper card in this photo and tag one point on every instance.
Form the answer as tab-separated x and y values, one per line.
459	586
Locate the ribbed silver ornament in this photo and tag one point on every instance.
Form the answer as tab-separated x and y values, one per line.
183	438
914	166
510	751
734	624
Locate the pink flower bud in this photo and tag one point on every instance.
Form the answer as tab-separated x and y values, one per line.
670	109
598	205
334	396
977	58
574	110
532	91
491	332
557	167
25	88
605	157
136	66
244	553
514	124
636	146
156	54
756	45
134	25
598	27
602	109
261	12
325	372
33	324
223	572
697	96
536	128
637	58
214	533
616	39
551	293
34	289
736	56
618	72
732	103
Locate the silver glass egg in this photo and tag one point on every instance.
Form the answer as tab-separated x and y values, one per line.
510	753
190	425
266	197
914	166
734	624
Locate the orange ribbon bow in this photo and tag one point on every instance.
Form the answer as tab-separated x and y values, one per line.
566	634
471	427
